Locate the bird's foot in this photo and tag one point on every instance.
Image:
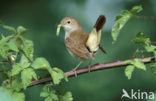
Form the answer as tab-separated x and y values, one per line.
74	70
89	68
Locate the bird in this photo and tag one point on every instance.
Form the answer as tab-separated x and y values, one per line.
79	43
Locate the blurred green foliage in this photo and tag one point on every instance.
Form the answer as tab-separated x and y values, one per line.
41	17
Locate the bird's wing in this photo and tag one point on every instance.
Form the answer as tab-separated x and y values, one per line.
76	44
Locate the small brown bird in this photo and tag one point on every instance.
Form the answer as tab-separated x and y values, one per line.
79	43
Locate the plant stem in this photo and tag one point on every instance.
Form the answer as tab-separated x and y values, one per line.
94	67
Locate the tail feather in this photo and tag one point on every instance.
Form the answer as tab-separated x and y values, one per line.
100	22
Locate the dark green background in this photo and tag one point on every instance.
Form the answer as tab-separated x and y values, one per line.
41	17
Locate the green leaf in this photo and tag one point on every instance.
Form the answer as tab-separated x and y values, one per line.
48	99
141	39
44	94
53	95
66	97
28	49
18	67
12	46
40	63
122	19
27	75
153	67
128	62
16	96
4	40
24	59
4	51
50	95
150	48
4	48
15	85
21	30
57	75
9	28
139	64
136	9
128	71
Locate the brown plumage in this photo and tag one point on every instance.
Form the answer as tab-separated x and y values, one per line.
75	44
79	43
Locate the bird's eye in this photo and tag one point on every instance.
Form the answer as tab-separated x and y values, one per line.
68	22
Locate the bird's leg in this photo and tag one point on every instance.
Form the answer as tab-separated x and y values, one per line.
89	65
74	70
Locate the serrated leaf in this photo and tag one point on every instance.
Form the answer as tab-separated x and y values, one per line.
53	95
12	46
40	63
24	59
15	85
150	48
49	94
57	75
28	49
153	67
21	30
141	39
4	51
129	70
4	48
139	64
4	40
27	75
18	67
122	19
66	97
136	9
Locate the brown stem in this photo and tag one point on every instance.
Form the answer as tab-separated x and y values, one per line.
94	67
153	42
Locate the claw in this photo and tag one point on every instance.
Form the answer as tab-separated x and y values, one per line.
74	70
89	68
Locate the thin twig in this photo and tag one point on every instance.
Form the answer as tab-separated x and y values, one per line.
95	67
153	42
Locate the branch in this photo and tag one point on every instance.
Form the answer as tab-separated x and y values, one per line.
153	42
94	67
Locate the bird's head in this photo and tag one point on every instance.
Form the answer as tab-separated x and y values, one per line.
70	24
